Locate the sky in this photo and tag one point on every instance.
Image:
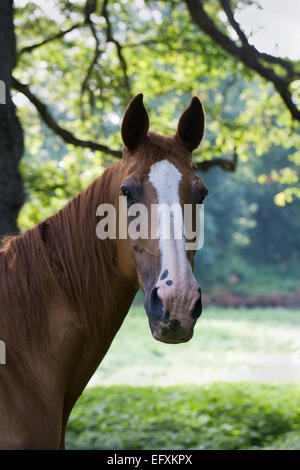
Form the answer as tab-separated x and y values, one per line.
276	28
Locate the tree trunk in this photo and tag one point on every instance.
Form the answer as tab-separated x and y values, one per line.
11	134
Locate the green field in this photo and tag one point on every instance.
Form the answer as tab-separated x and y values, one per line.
228	345
235	385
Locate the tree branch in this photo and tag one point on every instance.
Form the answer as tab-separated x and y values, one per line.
247	54
67	136
229	13
226	165
110	38
50	39
90	8
288	66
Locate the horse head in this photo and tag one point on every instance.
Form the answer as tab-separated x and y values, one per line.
157	174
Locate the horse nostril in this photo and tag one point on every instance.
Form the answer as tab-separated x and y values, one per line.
156	305
174	325
166	317
197	310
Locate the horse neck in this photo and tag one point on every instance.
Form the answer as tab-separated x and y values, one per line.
93	296
63	294
91	275
100	295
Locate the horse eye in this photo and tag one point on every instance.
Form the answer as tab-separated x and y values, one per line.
203	194
125	191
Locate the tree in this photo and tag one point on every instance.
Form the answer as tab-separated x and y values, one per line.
100	20
81	63
282	73
11	135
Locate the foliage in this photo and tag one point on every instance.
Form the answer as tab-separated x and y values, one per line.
218	416
130	46
200	415
250	246
51	183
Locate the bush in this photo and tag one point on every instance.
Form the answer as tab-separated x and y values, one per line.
217	416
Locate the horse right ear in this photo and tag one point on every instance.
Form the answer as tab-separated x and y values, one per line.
135	123
191	125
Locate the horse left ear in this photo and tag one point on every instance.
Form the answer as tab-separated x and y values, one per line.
135	123
191	125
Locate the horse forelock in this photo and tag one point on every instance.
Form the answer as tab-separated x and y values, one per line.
155	147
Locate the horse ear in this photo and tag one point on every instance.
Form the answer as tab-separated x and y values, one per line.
135	123
191	125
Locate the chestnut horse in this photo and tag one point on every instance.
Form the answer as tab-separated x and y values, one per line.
64	293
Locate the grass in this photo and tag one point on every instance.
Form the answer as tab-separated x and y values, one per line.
228	345
230	387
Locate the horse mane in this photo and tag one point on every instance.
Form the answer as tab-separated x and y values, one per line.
59	256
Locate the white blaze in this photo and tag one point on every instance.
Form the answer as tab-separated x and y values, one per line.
165	178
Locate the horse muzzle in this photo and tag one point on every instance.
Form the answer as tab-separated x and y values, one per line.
173	313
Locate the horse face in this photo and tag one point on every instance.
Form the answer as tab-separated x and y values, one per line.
156	177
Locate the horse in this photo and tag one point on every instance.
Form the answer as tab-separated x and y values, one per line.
64	293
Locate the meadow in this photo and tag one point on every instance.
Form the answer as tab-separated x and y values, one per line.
233	386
